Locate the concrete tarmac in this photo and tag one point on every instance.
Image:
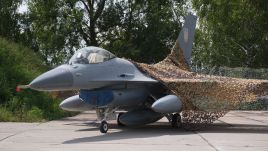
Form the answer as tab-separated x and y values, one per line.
238	130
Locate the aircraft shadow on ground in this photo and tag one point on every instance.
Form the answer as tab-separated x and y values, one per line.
162	129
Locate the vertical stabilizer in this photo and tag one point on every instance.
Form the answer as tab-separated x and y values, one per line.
182	50
186	37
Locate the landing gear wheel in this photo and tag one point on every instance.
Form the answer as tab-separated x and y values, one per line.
118	121
103	127
176	120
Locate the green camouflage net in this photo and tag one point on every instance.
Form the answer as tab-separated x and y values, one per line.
205	98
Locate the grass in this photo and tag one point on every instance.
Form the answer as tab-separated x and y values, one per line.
20	65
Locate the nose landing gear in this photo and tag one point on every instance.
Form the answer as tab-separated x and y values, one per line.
103	126
104	114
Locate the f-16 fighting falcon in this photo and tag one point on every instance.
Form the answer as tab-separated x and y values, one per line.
146	93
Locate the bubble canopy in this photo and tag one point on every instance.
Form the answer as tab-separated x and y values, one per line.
91	55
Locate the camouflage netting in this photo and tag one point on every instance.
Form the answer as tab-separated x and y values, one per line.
205	98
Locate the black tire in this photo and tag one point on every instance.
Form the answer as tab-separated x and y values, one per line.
118	121
176	120
103	127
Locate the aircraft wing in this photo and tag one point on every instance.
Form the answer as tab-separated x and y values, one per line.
205	92
199	91
205	98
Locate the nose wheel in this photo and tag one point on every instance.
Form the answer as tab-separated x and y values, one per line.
103	126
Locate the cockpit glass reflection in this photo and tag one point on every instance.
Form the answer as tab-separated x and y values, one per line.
91	55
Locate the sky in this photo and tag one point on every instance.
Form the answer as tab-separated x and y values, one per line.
23	7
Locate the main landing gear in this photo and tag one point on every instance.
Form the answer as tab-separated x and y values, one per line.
118	121
175	120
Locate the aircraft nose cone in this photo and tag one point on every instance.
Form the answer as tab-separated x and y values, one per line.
55	79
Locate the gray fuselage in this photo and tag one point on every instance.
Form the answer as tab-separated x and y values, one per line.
114	82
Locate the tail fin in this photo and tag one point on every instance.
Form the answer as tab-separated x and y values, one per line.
182	51
186	37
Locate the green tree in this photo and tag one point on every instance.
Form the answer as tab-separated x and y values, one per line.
9	26
232	33
19	65
14	25
54	25
148	29
62	26
135	29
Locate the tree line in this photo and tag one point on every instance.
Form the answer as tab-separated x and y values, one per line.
230	33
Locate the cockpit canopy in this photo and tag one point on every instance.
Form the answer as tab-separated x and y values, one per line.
91	55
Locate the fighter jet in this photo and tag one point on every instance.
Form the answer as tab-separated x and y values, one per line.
109	84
